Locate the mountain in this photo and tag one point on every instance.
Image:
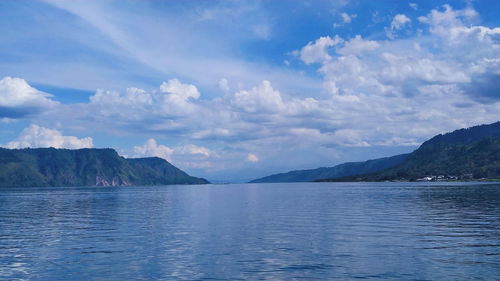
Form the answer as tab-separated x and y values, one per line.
342	170
472	153
85	167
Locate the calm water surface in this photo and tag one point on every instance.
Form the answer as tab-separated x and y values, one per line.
253	231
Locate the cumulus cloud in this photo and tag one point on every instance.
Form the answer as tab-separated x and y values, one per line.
398	22
179	90
172	99
358	45
151	148
176	109
471	49
414	83
317	51
185	156
260	98
388	67
35	136
263	105
18	99
455	26
377	93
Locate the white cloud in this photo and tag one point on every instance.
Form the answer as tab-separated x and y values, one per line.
35	136
372	89
414	6
133	39
252	158
180	115
18	99
184	156
389	68
399	21
317	51
379	87
358	45
455	26
193	150
180	91
262	98
346	18
152	149
172	99
376	93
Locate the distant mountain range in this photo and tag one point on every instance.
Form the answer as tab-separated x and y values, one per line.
342	170
85	167
472	153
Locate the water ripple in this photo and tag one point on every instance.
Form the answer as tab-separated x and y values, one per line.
259	231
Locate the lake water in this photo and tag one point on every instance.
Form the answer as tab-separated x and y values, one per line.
252	231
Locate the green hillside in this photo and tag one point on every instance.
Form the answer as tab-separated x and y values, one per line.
342	170
472	153
85	167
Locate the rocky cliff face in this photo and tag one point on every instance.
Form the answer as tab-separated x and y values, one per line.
99	181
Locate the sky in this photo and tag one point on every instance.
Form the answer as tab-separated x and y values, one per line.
236	90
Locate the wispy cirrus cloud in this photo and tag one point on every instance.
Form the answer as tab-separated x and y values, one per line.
369	96
171	46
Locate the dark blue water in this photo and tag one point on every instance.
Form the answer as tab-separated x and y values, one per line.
254	231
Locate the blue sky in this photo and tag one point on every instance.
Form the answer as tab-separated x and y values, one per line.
235	90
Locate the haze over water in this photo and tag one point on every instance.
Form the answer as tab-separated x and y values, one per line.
254	231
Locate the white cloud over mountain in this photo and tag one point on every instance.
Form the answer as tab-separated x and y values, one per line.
151	148
379	87
35	136
184	156
438	72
